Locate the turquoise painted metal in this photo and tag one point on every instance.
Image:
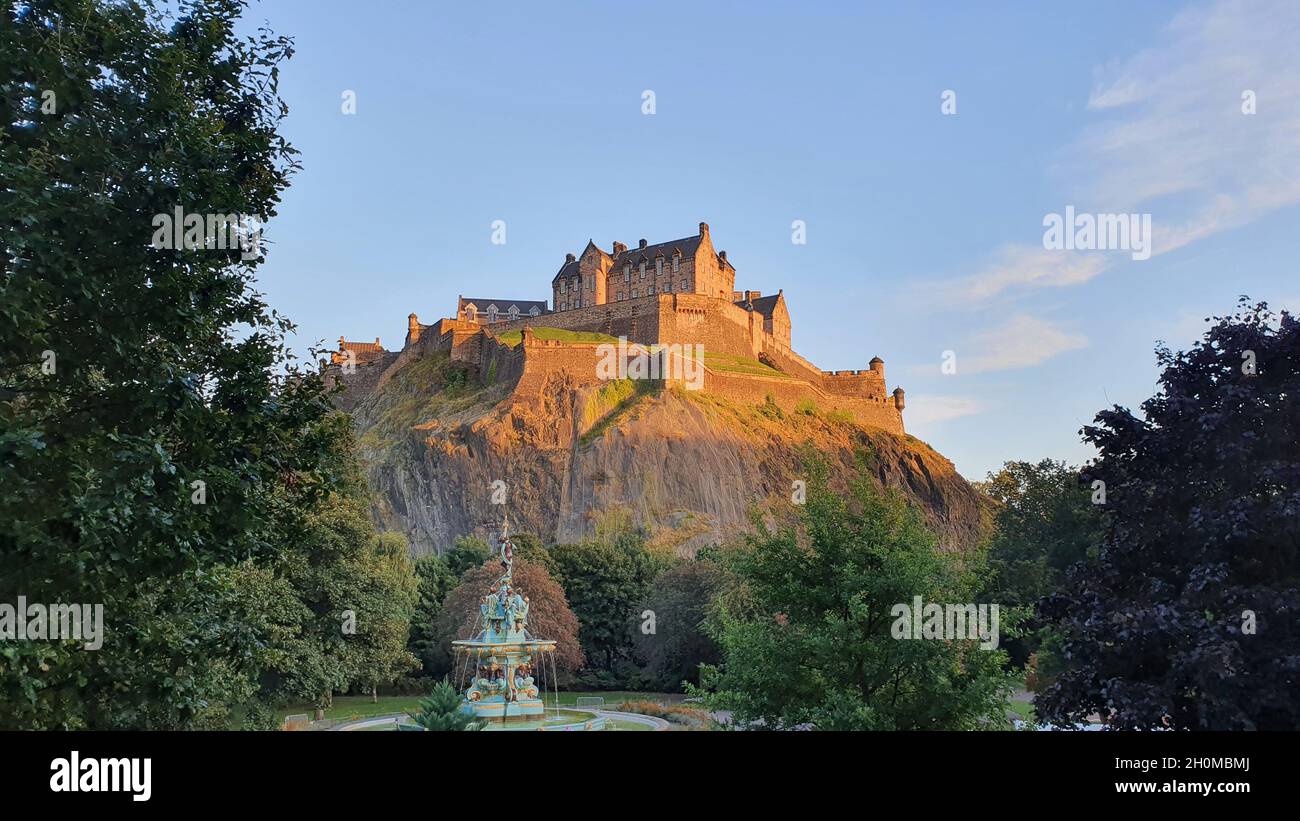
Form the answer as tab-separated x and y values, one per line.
507	659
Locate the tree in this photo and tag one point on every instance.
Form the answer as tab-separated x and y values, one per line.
605	580
549	616
154	429
468	552
356	587
813	644
1044	522
679	602
1190	615
435	581
441	711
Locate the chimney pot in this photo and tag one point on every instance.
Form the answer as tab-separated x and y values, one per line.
643	243
569	258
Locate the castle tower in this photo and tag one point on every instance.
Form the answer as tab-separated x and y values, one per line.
412	329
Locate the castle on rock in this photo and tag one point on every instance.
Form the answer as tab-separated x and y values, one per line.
675	293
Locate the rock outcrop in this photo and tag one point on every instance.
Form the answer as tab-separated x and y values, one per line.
691	467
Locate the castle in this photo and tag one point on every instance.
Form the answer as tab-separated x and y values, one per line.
680	291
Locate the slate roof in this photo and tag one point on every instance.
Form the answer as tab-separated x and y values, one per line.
503	305
764	304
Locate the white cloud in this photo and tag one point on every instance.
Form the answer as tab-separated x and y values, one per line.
1021	342
1026	266
1173	139
926	409
1170	138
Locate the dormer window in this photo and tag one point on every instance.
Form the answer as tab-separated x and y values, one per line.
514	312
533	311
642	269
627	272
677	262
470	313
492	313
659	266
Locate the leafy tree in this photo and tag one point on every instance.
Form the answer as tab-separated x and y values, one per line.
813	644
1044	522
130	374
1190	615
468	552
680	598
605	580
441	711
549	616
435	580
386	597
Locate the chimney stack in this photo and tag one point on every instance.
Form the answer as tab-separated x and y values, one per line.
570	258
642	243
704	229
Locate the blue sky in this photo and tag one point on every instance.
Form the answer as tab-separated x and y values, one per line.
924	230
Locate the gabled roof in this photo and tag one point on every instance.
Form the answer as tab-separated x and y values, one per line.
503	305
764	305
685	246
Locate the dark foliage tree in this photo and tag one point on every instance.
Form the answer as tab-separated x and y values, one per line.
679	601
1190	616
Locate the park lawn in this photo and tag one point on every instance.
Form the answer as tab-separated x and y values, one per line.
350	707
1024	709
513	338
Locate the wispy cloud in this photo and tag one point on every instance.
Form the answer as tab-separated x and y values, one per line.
1171	138
1174	139
1025	266
1021	342
925	409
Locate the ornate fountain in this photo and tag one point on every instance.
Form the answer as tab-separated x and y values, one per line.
504	687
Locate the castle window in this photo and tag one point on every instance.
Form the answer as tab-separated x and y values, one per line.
492	313
659	266
650	290
677	263
591	284
668	287
627	272
470	313
562	284
514	312
533	311
634	293
643	269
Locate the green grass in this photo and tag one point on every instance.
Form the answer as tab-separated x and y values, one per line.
513	338
1024	709
741	364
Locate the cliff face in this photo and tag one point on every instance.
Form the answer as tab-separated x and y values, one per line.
440	450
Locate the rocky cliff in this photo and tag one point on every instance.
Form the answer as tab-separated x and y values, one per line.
440	450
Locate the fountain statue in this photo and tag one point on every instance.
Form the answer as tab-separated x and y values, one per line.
503	686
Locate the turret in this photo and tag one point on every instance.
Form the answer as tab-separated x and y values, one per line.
898	399
412	329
